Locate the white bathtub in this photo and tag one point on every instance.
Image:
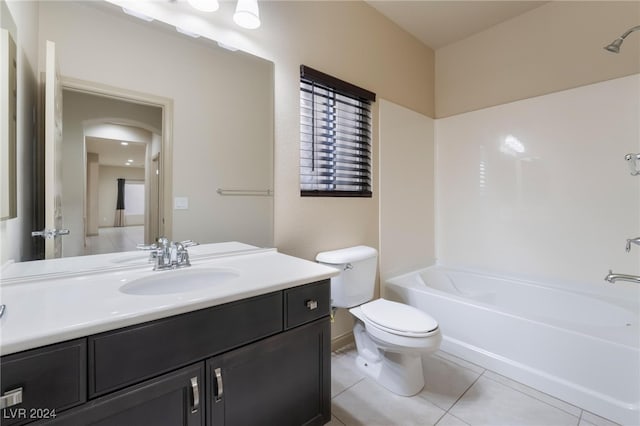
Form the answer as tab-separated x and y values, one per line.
580	346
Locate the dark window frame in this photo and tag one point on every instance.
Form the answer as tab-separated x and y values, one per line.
335	136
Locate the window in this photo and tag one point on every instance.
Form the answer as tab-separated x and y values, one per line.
335	136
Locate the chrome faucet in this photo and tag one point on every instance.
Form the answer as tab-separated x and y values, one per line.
168	255
612	278
632	240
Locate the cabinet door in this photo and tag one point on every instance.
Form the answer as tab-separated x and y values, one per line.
173	399
283	380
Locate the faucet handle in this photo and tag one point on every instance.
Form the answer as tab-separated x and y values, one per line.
147	247
632	240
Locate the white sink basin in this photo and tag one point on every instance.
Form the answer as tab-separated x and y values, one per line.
178	281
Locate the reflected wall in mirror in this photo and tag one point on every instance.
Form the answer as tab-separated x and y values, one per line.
8	114
222	119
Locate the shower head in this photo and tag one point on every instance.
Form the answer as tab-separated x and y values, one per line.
614	46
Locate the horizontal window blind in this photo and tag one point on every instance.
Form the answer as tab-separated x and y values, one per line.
335	136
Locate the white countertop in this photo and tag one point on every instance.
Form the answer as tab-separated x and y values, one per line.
101	262
67	306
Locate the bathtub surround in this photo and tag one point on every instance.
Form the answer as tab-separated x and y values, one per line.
546	180
407	190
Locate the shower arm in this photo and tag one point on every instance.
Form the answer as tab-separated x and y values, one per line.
629	31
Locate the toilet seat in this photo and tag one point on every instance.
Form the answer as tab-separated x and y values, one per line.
398	318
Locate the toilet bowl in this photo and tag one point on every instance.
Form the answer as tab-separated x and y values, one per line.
390	337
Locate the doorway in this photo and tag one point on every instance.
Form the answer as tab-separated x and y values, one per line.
95	116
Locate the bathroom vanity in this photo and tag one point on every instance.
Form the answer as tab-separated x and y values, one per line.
245	351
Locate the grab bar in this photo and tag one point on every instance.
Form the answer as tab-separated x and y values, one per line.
246	192
612	278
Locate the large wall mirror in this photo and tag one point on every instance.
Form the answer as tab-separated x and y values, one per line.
186	124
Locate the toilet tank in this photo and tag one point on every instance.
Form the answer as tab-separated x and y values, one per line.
356	282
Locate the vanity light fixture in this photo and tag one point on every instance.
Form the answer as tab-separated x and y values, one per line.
137	14
247	14
205	5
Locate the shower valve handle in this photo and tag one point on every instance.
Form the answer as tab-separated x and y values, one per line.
632	240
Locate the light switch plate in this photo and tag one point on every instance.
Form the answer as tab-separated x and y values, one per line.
181	203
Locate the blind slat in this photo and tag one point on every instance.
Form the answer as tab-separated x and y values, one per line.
335	141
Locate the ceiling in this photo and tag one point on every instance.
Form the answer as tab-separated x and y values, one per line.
112	153
439	23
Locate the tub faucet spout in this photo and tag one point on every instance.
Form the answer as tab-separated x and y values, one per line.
612	278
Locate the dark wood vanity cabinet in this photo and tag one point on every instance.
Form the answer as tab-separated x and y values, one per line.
258	361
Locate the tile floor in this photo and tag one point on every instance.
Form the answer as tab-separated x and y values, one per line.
110	240
457	393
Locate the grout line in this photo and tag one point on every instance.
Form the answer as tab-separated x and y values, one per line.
465	392
536	398
346	389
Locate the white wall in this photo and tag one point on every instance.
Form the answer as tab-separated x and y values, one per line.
558	204
407	188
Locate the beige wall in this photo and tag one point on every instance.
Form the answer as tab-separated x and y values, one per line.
554	47
366	49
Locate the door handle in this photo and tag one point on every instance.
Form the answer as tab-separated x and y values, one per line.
50	233
196	395
219	387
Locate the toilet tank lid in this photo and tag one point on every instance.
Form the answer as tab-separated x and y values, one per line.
346	255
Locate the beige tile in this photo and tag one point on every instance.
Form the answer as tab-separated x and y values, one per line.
596	420
445	381
334	422
488	402
344	372
367	403
565	406
449	420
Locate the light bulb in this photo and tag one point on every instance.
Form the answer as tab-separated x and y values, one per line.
247	14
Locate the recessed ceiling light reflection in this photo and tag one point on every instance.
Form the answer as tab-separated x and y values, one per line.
124	143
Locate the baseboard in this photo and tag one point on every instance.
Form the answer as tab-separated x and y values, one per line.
341	341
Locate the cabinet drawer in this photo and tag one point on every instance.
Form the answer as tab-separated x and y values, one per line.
175	399
130	355
307	303
52	379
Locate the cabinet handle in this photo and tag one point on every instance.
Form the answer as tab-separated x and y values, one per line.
311	304
196	395
219	388
11	398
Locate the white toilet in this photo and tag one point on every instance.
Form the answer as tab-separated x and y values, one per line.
390	336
